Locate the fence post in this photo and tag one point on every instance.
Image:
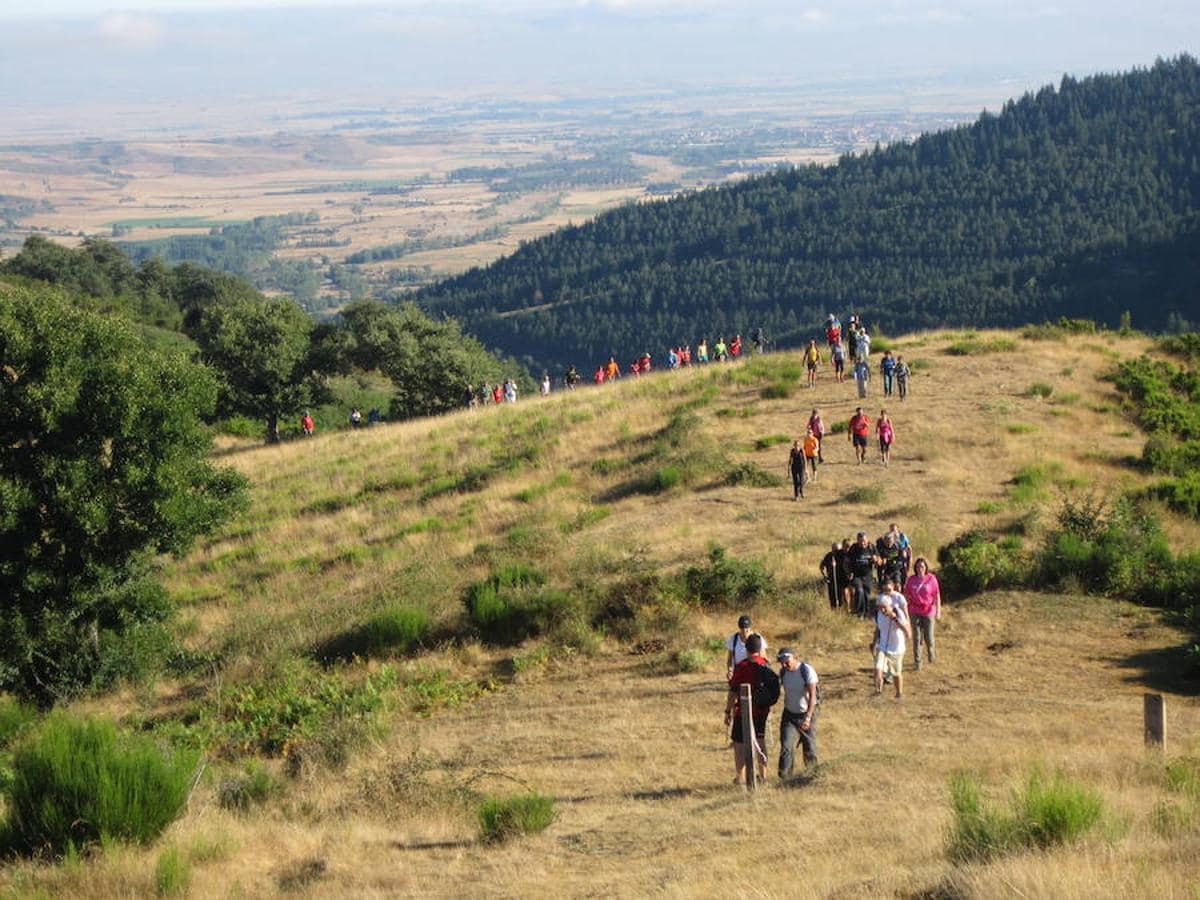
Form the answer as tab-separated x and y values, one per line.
745	708
1154	712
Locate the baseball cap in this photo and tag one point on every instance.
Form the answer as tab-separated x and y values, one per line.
784	654
744	622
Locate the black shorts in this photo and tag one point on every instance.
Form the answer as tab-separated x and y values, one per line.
760	729
860	440
812	367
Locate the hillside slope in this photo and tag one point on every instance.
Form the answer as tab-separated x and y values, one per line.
1071	201
629	744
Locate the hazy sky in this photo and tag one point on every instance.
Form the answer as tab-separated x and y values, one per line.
56	52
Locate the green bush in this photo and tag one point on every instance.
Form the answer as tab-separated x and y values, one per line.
172	873
974	346
503	818
77	782
841	426
770	440
1181	494
751	474
864	493
1039	389
15	718
779	390
1045	813
975	562
1021	428
255	786
691	659
513	604
661	480
727	581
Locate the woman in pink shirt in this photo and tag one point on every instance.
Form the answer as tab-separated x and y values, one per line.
924	596
887	434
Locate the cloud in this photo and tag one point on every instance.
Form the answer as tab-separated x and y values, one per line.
131	30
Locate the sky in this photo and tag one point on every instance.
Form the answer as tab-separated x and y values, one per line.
62	52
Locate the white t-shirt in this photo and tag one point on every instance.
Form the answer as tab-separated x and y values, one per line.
795	698
738	646
891	635
898	599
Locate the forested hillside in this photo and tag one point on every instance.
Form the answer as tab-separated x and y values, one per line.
1080	200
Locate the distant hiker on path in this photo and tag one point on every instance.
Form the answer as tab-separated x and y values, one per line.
720	352
862	375
831	571
510	391
812	359
862	345
498	394
754	671
833	331
838	355
571	377
859	433
702	350
902	373
355	417
545	384
924	596
612	370
307	425
736	645
799	720
861	561
812	449
469	397
759	340
887	368
796	465
888	644
887	434
818	429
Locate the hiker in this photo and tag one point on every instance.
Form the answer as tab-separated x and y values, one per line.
798	724
702	350
858	433
759	340
861	561
735	346
643	363
374	416
736	645
812	359
796	467
833	331
891	631
838	355
571	377
889	558
924	596
307	425
598	375
887	368
612	371
355	417
812	448
498	394
545	384
887	434
905	552
862	375
831	572
862	345
685	355
754	671
902	373
469	397
720	352
845	576
510	391
818	429
672	359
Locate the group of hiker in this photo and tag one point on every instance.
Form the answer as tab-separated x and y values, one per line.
855	341
807	453
501	392
868	578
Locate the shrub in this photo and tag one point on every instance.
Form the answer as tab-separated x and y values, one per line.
503	818
841	426
751	474
661	480
691	659
172	873
974	346
1182	776
779	390
864	493
770	440
728	581
1181	494
1039	389
1021	428
78	782
1045	813
974	562
253	787
395	630
15	718
513	605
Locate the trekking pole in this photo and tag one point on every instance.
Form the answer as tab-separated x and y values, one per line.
749	738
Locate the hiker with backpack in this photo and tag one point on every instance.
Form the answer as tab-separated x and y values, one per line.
796	464
862	560
887	368
748	753
817	425
902	373
736	645
888	644
801	698
858	433
924	596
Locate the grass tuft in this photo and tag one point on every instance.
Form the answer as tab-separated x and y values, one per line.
501	819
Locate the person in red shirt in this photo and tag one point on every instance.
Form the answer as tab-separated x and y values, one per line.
748	672
859	431
307	425
599	376
735	348
498	394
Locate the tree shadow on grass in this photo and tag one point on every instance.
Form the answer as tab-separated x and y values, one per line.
1166	669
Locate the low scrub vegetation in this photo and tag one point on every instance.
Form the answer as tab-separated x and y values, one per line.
504	818
728	581
1045	812
77	782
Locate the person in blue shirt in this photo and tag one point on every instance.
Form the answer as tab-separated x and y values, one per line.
887	368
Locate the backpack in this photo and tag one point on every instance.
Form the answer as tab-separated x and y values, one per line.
765	692
819	692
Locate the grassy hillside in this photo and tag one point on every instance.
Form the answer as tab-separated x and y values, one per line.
347	755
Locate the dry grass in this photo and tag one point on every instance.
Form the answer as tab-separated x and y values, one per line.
637	760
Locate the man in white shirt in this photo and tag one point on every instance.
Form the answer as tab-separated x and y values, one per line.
736	645
892	632
799	723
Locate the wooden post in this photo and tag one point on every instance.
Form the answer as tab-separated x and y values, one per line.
745	707
1154	711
